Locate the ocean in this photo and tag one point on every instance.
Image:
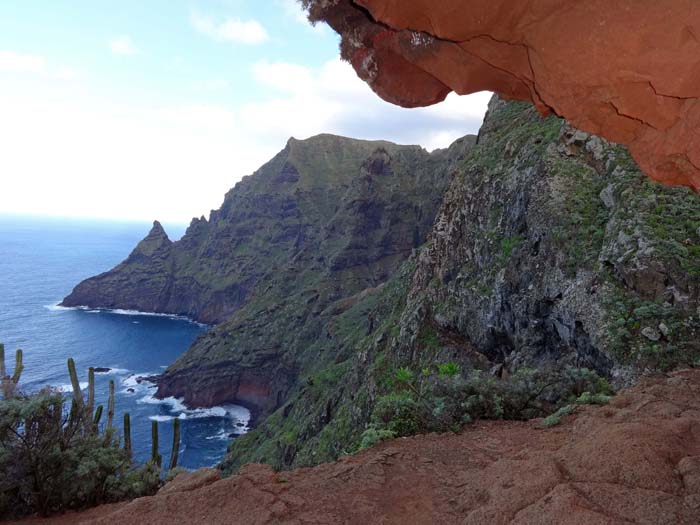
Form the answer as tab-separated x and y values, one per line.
41	260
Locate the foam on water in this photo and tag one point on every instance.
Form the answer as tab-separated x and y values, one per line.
114	372
221	435
120	311
161	419
69	388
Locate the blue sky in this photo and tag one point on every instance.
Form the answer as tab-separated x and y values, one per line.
143	109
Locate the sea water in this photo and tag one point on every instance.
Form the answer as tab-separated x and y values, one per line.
41	260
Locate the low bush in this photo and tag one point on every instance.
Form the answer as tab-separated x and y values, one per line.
444	401
54	458
48	466
372	436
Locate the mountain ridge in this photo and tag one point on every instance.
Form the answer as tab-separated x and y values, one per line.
324	220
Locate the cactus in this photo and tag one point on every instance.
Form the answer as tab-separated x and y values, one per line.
3	372
77	393
91	392
96	419
8	384
74	415
4	379
18	367
110	405
127	433
155	456
176	443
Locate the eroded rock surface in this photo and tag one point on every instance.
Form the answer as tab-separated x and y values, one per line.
627	70
636	460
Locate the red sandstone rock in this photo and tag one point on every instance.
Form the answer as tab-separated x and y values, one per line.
628	70
636	460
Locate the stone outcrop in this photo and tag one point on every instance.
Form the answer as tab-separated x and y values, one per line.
627	70
550	249
636	460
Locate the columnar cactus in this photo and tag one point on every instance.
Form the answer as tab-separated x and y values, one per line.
77	393
8	384
91	392
176	443
19	366
155	456
127	433
110	405
96	419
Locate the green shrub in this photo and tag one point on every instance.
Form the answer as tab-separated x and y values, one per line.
448	369
398	413
554	419
53	458
446	401
372	436
593	399
404	376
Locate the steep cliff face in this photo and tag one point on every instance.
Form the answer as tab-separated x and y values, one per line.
291	247
550	247
551	250
627	70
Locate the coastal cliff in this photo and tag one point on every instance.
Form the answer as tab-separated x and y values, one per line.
325	220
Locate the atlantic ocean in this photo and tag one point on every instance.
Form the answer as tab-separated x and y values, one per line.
41	260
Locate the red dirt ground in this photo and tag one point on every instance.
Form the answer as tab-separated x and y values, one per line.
636	460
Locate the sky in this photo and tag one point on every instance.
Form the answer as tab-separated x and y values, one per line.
153	109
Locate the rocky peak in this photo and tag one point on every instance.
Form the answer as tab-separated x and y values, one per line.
157	241
157	232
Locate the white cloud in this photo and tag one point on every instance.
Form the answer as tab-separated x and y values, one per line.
235	30
284	76
292	9
213	85
122	45
332	99
11	62
99	159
